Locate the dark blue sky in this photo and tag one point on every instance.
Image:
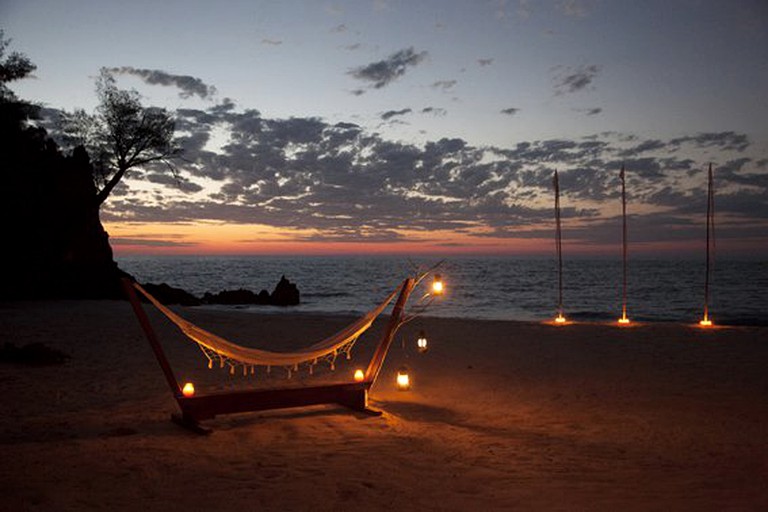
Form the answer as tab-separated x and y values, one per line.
338	109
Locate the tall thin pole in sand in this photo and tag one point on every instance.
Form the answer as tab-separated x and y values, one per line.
623	320
559	245
706	321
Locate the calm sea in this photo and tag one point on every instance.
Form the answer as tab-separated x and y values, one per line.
484	288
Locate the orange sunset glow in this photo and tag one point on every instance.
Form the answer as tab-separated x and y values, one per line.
216	238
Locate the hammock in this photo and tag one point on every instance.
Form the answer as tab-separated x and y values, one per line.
224	352
198	407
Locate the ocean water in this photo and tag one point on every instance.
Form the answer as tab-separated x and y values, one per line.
484	288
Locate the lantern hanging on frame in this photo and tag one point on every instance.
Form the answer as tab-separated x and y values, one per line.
437	284
421	342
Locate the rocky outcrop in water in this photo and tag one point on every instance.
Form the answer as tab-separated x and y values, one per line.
285	294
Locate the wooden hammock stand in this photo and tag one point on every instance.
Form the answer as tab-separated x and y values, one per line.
196	408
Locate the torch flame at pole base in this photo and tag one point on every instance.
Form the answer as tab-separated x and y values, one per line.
706	322
560	319
623	321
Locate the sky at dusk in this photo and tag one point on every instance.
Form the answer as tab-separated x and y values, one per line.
327	127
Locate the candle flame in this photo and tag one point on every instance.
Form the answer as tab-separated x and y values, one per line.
359	375
188	390
403	382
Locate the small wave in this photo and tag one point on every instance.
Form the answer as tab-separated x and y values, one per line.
327	295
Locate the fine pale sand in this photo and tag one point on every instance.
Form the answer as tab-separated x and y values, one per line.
502	416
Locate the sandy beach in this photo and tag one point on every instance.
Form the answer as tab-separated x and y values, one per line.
501	416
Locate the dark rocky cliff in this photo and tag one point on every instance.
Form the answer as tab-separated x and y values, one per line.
54	245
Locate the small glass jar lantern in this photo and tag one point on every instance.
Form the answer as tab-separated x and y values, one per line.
359	375
421	342
403	381
188	390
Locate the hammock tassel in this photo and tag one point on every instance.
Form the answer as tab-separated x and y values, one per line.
312	369
210	363
269	369
289	372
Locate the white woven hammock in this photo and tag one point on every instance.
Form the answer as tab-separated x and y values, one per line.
218	349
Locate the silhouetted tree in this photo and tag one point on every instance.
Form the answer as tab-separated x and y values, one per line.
121	135
12	67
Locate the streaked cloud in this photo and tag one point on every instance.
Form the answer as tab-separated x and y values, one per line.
444	85
381	73
570	79
589	111
509	111
435	111
189	85
392	113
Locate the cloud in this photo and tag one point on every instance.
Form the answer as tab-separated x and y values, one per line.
189	85
575	79
509	111
384	72
347	183
721	140
149	242
589	111
484	62
338	29
271	42
444	85
352	47
392	113
179	182
435	111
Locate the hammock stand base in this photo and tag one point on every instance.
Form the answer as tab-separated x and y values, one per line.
197	408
